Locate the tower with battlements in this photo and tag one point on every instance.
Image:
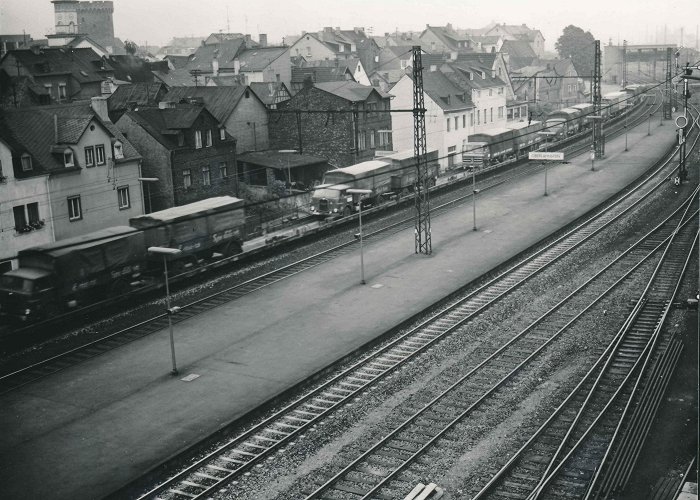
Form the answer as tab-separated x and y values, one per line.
92	19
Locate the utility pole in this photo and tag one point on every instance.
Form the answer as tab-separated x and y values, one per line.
669	86
422	198
683	122
598	143
624	63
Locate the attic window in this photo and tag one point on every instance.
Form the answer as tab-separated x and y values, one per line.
118	151
26	162
83	73
68	157
247	94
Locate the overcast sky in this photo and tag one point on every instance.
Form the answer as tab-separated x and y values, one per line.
157	21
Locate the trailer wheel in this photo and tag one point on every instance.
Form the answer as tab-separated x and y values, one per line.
231	248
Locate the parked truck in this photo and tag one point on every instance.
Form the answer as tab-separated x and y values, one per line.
72	272
387	177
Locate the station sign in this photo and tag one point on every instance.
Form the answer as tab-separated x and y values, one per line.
541	155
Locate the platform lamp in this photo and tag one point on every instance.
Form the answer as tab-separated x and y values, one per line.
168	253
627	106
362	260
145	181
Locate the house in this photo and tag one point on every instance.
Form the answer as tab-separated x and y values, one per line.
181	46
441	39
76	156
237	108
353	44
186	148
483	43
519	53
215	59
343	121
449	117
320	72
264	64
13	42
133	69
53	75
549	85
271	94
519	32
394	62
312	48
134	95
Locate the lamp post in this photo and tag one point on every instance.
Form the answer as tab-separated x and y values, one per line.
168	252
289	170
362	260
546	135
474	193
649	125
145	181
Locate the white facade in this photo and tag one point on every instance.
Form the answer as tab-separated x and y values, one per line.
29	196
446	139
490	106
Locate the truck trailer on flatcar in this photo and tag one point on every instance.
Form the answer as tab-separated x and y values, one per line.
487	148
73	272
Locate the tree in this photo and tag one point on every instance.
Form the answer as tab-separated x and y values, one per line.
130	47
579	46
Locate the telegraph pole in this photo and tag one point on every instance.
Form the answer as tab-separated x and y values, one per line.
624	63
422	198
683	122
669	86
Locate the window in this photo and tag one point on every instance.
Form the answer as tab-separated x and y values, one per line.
26	162
68	157
49	89
500	111
478	117
308	51
490	92
123	197
62	91
451	153
491	115
500	89
371	139
448	124
100	154
187	178
223	169
456	122
222	134
118	151
209	139
384	137
471	119
361	141
464	121
20	218
197	139
75	210
90	156
206	176
33	213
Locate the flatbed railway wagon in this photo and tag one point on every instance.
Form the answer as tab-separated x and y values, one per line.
73	272
526	136
386	176
613	103
487	148
198	229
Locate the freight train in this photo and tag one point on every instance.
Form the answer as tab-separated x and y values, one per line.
73	272
519	138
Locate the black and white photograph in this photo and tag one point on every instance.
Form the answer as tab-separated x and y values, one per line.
349	250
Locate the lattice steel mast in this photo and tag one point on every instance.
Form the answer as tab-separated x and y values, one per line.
422	198
624	63
669	86
598	141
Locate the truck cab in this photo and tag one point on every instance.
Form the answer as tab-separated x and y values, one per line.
27	294
330	200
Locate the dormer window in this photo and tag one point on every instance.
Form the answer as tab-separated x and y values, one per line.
26	162
118	150
209	138
222	134
68	158
197	139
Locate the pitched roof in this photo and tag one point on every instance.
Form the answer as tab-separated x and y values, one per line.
33	128
219	101
267	92
319	74
349	90
85	65
140	93
447	95
131	68
280	161
448	37
175	77
164	124
224	52
518	48
178	62
260	58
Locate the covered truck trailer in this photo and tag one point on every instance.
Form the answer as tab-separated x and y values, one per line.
197	229
73	272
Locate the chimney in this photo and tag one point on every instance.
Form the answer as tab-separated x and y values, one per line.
263	39
308	83
99	106
327	29
215	67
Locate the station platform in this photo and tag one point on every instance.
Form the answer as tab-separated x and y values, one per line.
89	430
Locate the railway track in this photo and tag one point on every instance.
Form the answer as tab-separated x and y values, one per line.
24	375
562	456
250	448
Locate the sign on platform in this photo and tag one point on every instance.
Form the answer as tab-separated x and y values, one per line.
540	155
